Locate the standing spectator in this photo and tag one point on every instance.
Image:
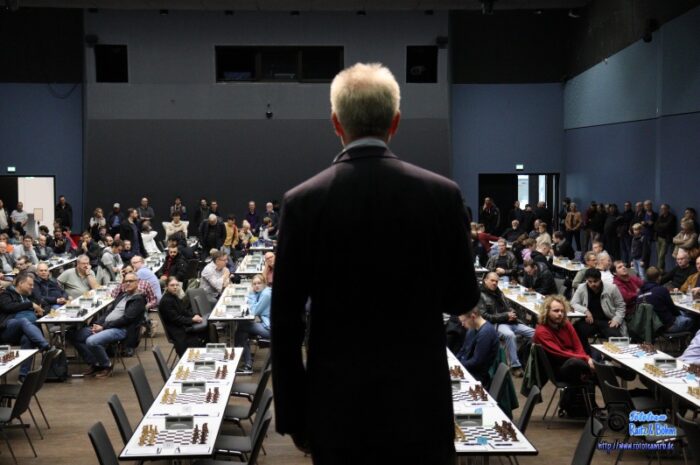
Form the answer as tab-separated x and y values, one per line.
4	218
624	232
252	217
528	218
572	225
148	236
63	212
687	239
97	221
200	215
611	237
628	285
650	217
115	220
664	230
179	208
688	214
212	234
640	249
490	216
516	213
129	231
215	210
231	240
272	214
19	219
145	211
544	214
563	212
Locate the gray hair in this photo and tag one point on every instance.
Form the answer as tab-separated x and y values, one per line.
365	98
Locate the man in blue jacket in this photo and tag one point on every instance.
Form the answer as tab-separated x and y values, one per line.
46	289
480	345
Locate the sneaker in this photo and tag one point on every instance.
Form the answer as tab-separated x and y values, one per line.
91	371
517	372
104	372
244	370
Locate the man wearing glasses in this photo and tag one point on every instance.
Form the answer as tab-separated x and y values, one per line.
145	274
126	315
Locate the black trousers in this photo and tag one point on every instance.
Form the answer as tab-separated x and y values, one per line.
597	328
574	371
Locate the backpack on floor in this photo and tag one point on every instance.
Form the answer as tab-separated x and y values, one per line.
59	368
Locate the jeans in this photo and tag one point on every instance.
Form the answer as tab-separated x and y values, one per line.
681	323
509	331
625	244
244	330
20	330
92	346
637	267
598	327
572	236
661	250
27	315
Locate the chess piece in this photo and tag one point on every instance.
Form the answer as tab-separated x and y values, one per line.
218	372
224	372
208	399
216	394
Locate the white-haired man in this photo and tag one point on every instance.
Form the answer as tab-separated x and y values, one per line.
368	184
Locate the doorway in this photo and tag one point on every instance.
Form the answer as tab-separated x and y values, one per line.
38	195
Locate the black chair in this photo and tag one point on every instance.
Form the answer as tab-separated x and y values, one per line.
587	443
498	381
692	434
102	445
21	405
143	390
162	363
170	340
202	305
236	413
679	339
242	446
640	399
119	414
534	398
255	450
11	391
191	270
561	386
248	390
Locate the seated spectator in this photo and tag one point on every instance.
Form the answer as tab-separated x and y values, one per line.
7	261
640	249
535	230
659	297
504	263
597	247
21	300
692	352
178	240
126	314
178	320
603	263
23	264
543	236
110	263
43	252
561	247
69	237
517	248
679	273
90	248
589	260
61	246
148	235
245	235
175	266
480	347
538	277
604	308
259	305
494	309
97	221
269	269
26	249
143	287
46	289
146	274
528	248
76	281
512	233
106	242
215	276
212	233
542	253
686	239
231	240
20	331
692	284
559	340
127	252
628	285
175	225
267	231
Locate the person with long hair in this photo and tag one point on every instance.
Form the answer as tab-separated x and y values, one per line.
259	300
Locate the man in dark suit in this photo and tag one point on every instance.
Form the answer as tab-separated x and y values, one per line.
361	399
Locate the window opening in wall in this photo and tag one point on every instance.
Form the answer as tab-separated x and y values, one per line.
111	63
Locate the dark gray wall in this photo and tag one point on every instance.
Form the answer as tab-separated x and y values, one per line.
41	133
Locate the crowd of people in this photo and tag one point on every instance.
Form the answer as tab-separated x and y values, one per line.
113	248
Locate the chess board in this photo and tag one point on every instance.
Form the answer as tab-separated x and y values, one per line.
676	373
179	437
472	434
193	398
632	349
465	396
216	356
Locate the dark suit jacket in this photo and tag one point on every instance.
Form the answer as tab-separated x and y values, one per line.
377	375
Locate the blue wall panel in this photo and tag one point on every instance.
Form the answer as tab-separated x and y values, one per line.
41	130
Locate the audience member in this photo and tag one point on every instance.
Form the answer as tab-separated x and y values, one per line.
144	273
543	214
259	305
664	231
245	235
129	231
90	248
145	211
640	249
231	239
659	297
175	225
624	231
528	218
4	218
42	250
96	222
178	320
611	231
690	214
61	246
628	285
572	225
538	277
272	214
252	217
26	249
200	214
504	263
115	220
267	231
63	212
46	289
512	233
215	276
78	280
127	252
178	208
480	347
212	233
516	213
19	219
650	217
494	309
686	239
561	247
175	266
214	209
692	284
535	232
604	308
679	273
126	314
148	236
490	217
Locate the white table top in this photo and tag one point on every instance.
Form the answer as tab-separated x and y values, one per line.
64	260
530	303
568	265
677	386
491	413
682	301
24	354
155	262
234	295
250	265
187	405
68	313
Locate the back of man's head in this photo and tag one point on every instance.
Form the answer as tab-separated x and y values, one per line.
592	273
365	98
653	274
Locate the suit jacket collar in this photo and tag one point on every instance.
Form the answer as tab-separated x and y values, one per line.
360	152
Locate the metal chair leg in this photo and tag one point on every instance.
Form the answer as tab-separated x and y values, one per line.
42	411
549	404
9	446
26	434
31	414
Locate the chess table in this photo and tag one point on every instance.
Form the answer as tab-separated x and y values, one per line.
250	265
15	360
58	262
153	441
482	439
232	308
530	303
